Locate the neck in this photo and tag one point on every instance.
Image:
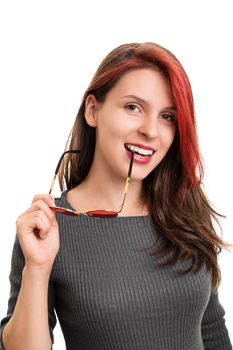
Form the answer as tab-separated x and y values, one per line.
103	190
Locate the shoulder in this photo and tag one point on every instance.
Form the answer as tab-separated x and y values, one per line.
62	200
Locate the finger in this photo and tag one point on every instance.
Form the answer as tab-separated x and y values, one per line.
40	205
36	222
31	226
48	198
31	220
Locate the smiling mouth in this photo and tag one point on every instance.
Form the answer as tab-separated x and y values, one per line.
142	152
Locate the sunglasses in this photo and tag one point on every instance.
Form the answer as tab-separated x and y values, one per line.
98	213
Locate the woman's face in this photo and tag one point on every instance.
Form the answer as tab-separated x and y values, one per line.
138	114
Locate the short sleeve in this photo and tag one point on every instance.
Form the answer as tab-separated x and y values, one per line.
214	332
17	265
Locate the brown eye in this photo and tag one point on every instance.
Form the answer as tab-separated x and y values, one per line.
133	108
168	117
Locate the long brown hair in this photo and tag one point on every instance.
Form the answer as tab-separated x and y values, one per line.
177	204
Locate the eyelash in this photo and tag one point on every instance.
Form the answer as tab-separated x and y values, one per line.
132	105
171	116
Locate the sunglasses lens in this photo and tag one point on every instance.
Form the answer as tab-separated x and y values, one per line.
102	214
64	211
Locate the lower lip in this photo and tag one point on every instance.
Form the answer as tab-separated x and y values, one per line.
138	159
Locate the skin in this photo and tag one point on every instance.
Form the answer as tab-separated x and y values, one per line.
146	119
38	235
119	120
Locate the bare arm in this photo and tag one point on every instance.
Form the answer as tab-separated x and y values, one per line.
28	328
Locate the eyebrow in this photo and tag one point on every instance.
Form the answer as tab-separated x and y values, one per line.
142	101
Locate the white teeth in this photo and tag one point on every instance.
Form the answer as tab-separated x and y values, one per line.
142	151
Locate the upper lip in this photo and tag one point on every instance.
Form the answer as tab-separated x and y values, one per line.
139	145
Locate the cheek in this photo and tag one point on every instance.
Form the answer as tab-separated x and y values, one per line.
113	121
168	136
110	131
116	127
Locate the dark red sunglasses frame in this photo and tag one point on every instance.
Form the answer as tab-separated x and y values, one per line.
98	213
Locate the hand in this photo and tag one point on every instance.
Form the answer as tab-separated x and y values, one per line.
38	233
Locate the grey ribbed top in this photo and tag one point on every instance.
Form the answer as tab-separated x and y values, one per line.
109	293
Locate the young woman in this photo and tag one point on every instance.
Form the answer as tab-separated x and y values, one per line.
140	270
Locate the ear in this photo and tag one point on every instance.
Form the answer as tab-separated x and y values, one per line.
91	110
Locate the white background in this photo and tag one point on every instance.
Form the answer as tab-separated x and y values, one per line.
49	52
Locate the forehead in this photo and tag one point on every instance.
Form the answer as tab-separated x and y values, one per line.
147	83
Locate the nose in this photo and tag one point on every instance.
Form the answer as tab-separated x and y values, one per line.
149	128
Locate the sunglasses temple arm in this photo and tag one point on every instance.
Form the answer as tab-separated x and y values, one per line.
52	184
58	167
124	194
127	183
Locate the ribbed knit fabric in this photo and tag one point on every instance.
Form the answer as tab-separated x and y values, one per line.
109	293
